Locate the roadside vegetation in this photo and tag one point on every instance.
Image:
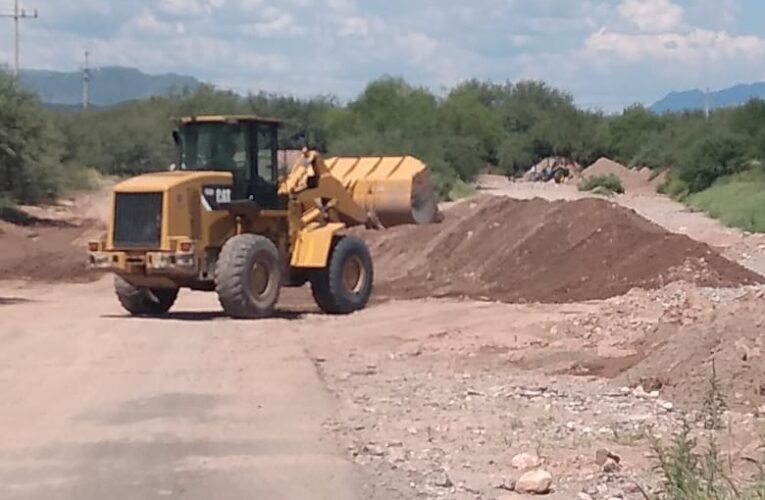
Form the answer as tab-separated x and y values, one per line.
602	184
506	128
693	464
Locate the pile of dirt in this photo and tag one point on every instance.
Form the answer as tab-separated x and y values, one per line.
632	180
47	251
723	342
49	242
496	248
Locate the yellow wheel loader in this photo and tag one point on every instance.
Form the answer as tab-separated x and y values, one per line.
226	220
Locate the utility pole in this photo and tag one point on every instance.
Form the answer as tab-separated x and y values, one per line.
17	15
86	76
707	104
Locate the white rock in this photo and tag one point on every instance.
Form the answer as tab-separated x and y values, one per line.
525	461
538	482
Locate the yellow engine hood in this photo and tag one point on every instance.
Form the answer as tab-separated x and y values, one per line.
165	181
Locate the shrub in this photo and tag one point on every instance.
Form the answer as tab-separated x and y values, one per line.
603	184
461	189
29	167
712	158
674	187
690	470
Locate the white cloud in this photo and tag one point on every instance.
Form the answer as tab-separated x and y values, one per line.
694	47
652	15
418	46
274	22
354	26
147	23
189	7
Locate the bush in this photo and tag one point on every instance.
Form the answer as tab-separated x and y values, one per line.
674	187
712	158
30	171
10	213
461	189
603	183
690	470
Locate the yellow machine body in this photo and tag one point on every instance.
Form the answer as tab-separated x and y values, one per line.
318	200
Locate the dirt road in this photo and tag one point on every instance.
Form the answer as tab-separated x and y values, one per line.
97	405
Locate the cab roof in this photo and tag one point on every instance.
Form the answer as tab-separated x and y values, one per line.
185	120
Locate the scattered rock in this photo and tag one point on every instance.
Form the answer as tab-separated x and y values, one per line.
373	450
507	485
639	392
611	466
442	480
525	461
651	384
584	496
396	455
538	482
603	455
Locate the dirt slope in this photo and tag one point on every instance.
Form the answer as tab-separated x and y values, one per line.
535	250
632	180
44	252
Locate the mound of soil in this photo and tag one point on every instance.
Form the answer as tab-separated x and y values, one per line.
725	343
45	252
632	180
497	248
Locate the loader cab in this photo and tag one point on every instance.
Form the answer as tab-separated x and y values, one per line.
246	146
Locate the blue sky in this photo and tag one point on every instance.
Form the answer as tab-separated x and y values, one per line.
608	53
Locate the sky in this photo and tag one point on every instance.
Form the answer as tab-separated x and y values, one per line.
608	53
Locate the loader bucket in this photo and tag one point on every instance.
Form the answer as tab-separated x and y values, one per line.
394	189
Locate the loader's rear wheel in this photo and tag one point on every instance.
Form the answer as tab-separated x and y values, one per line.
248	277
141	301
345	285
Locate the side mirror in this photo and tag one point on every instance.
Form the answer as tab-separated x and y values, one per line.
176	138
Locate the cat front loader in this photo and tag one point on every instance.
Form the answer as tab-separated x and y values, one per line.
226	220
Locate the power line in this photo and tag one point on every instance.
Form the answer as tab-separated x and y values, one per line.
17	15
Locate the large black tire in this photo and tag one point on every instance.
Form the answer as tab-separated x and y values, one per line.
248	277
345	285
141	301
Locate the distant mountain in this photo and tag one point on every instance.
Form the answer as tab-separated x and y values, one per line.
108	86
695	99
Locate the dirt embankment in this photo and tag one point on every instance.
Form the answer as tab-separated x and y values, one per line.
51	243
539	251
635	181
44	252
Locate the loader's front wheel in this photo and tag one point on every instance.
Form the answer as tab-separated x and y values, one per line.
345	285
248	277
141	301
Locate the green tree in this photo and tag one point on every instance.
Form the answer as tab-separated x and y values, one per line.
714	157
29	147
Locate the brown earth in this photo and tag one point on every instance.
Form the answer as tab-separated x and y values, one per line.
632	180
509	250
45	251
50	245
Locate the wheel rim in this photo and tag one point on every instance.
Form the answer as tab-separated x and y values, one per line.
259	279
354	274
